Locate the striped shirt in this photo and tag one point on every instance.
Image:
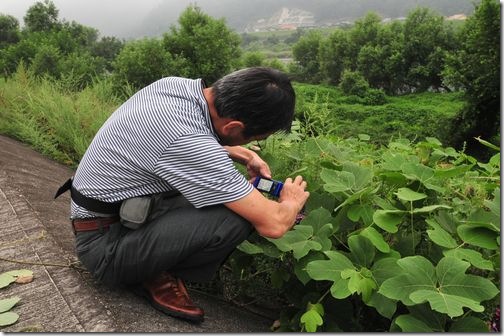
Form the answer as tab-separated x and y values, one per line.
160	139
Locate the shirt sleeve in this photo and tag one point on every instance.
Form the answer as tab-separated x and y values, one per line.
200	168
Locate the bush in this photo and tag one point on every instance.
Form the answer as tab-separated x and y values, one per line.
353	83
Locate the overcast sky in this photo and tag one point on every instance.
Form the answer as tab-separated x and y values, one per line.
109	16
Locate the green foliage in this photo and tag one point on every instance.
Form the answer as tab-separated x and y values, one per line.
305	52
41	17
9	30
353	83
475	67
389	230
142	62
51	117
203	46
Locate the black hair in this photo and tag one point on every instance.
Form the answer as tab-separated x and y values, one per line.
260	97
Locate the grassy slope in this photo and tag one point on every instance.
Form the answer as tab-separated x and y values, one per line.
411	116
60	123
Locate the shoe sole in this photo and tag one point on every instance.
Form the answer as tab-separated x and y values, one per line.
142	292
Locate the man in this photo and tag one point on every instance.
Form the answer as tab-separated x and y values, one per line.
156	199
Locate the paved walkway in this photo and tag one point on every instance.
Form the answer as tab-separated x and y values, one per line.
35	228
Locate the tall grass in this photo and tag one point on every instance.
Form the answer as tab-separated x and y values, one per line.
51	118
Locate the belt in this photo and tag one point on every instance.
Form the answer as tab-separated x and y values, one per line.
92	224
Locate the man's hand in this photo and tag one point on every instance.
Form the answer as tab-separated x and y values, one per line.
251	160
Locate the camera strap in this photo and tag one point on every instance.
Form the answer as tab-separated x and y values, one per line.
89	203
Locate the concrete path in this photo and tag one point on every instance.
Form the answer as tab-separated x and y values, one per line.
34	228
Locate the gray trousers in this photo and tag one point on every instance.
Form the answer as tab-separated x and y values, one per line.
187	242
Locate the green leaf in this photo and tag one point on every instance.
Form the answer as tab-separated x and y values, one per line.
383	305
7	304
8	318
494	205
418	273
363	251
408	323
440	236
447	288
329	269
430	208
311	320
472	256
478	235
376	239
363	175
388	219
360	211
469	324
452	172
249	248
317	219
417	171
300	266
337	181
452	305
384	269
298	241
6	279
406	194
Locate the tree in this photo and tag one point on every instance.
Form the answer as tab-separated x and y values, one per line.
475	67
142	62
203	46
305	53
9	30
334	55
425	42
253	58
43	16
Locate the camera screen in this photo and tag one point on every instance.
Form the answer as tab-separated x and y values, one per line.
264	185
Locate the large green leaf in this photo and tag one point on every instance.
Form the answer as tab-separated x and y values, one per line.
417	171
452	172
249	248
472	256
317	219
494	204
363	175
388	219
361	211
331	270
418	273
408	323
430	208
447	288
383	305
359	283
298	241
478	235
452	305
7	304
469	324
376	239
406	194
363	251
439	236
300	266
384	269
337	181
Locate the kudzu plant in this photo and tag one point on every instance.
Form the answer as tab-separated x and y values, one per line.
405	237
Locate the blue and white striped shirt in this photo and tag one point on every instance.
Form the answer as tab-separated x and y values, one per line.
160	139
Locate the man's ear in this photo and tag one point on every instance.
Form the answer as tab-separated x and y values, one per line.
233	128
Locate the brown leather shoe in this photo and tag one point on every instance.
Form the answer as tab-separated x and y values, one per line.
169	295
